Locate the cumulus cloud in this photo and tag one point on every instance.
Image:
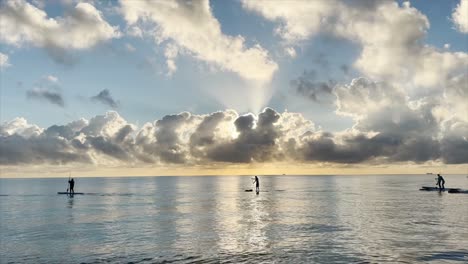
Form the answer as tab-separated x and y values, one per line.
454	143
391	37
81	28
192	27
460	16
105	98
20	126
4	63
393	129
170	145
23	143
299	20
395	126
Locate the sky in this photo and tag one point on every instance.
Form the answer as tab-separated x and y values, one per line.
134	87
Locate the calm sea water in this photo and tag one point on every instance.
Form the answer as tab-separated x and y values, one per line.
295	219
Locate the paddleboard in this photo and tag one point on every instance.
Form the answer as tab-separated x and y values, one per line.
457	191
70	193
450	190
426	188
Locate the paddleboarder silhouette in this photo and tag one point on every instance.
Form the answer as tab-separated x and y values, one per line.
440	182
257	185
71	184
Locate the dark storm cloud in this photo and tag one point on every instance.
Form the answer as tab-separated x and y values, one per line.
106	98
51	96
307	85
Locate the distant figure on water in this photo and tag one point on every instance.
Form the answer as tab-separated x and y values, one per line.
71	183
440	182
257	185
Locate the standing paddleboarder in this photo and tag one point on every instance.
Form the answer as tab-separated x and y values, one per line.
71	184
440	182
257	185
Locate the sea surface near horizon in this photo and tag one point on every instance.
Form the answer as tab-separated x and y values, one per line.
294	219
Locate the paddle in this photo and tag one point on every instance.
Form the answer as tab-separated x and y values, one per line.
68	186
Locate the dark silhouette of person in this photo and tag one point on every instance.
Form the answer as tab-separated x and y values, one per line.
440	182
71	182
257	185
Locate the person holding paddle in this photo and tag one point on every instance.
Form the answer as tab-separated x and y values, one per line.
71	184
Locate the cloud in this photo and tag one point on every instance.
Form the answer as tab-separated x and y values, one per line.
4	63
387	123
81	28
391	37
105	97
389	128
192	27
168	144
129	47
51	79
454	143
47	89
50	96
290	51
256	140
20	127
460	16
23	143
171	53
317	91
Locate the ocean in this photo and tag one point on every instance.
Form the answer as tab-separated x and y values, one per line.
211	219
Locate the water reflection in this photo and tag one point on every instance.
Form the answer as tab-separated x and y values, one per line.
195	200
195	219
228	214
70	202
